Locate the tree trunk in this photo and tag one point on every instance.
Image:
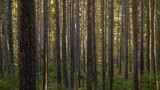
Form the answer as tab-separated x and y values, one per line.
11	60
103	43
126	37
135	44
152	37
112	43
69	27
141	46
78	44
158	36
72	49
84	54
6	67
120	56
27	45
105	33
1	58
58	44
45	46
37	40
148	38
94	47
89	45
65	73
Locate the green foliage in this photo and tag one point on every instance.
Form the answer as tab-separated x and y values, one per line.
6	83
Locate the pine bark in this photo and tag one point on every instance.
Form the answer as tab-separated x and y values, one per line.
6	67
135	44
89	45
1	58
10	34
94	46
126	37
121	39
58	44
141	46
152	37
65	72
72	48
148	37
112	44
45	44
27	45
103	43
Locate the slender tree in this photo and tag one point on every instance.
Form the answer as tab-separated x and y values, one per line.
105	33
152	37
78	44
45	46
121	38
126	38
72	49
135	43
11	61
158	35
1	58
148	38
112	41
89	44
94	47
69	27
141	46
65	73
37	38
58	44
103	42
6	67
27	45
84	66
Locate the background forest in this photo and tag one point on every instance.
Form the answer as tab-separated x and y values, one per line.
79	44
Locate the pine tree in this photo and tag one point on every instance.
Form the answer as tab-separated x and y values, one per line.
27	45
135	44
65	73
45	44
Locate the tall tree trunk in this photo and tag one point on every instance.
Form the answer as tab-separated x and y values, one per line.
152	37
148	38
121	39
109	40
1	58
5	37
103	43
112	43
94	46
118	37
65	73
45	46
41	32
11	60
158	36
141	46
89	45
105	33
78	44
37	40
69	27
27	45
152	40
135	44
72	49
58	44
126	37
84	54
